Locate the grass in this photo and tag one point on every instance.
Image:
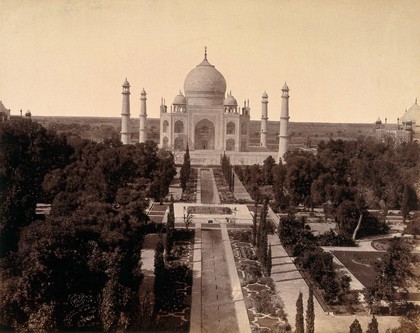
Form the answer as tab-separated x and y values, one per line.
360	264
209	210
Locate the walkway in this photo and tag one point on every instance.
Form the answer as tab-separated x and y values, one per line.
239	190
217	301
175	188
209	193
218	311
289	282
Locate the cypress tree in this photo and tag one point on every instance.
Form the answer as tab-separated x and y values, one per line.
299	315
254	225
185	169
405	203
310	313
269	261
170	227
355	327
373	326
262	235
159	287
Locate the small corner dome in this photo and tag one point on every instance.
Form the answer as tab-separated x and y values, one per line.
180	99
378	121
264	95
126	84
230	101
285	87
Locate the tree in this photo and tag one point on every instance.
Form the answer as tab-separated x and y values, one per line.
254	224
188	217
185	169
170	228
279	172
302	170
159	287
268	264
373	326
392	272
348	216
310	313
28	152
300	328
267	169
80	268
405	203
262	241
407	325
355	327
163	175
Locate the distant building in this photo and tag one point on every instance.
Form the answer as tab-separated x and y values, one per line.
407	128
4	113
206	118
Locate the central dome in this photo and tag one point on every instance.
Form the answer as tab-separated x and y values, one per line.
205	85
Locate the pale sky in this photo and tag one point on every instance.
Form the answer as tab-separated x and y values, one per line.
344	61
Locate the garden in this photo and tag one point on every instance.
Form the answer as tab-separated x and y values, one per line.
226	196
360	264
168	307
265	310
209	210
190	192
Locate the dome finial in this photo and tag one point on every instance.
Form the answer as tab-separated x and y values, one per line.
205	52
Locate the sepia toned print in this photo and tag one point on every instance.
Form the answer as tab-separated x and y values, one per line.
213	166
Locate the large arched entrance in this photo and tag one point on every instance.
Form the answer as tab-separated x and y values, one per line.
204	137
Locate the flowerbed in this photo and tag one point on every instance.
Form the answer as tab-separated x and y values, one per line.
175	315
190	193
265	310
226	196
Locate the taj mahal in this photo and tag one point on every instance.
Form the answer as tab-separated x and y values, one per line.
208	120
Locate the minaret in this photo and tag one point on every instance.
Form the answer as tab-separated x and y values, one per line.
143	115
284	122
125	114
264	118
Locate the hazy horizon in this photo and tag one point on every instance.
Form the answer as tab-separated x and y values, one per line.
344	61
157	118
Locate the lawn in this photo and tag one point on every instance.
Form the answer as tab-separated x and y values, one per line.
209	210
360	264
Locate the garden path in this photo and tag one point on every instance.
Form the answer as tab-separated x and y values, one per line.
218	310
175	188
217	300
289	282
209	193
239	190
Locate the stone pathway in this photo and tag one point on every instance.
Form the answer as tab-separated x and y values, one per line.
289	282
217	300
208	188
239	190
218	311
175	188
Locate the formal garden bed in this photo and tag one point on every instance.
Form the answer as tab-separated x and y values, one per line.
190	193
209	210
226	196
360	264
265	310
175	307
